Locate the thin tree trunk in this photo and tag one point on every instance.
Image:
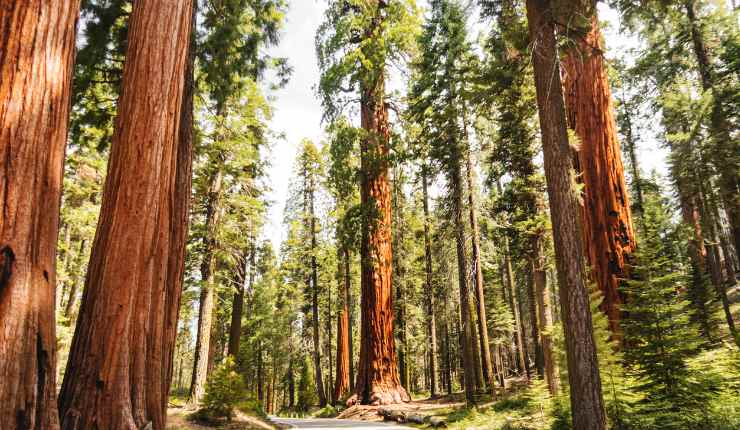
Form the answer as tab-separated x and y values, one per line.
726	274
235	328
698	255
467	333
587	404
291	384
350	319
431	319
72	296
448	359
328	319
630	141
120	364
552	375
521	341
608	234
539	361
260	374
62	292
203	343
485	348
36	60
314	285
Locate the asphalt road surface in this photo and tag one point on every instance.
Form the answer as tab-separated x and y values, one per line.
332	423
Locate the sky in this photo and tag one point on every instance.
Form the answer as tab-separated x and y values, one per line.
298	112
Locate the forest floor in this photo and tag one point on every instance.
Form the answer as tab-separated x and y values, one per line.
522	405
178	419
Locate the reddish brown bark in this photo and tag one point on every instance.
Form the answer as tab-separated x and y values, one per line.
36	58
608	234
179	221
341	384
119	370
587	404
377	372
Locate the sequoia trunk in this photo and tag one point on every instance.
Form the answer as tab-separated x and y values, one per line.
607	231
377	373
120	362
36	59
587	404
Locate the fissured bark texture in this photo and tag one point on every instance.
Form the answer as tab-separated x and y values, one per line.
378	380
119	368
587	403
36	58
608	234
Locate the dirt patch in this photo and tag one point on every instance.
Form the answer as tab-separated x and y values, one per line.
422	407
177	419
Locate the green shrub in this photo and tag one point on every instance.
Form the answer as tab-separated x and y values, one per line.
225	390
327	411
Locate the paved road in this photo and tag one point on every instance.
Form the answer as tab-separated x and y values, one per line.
331	423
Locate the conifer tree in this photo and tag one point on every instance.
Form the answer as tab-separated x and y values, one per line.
343	169
437	105
355	44
129	308
583	372
608	233
36	60
236	31
659	335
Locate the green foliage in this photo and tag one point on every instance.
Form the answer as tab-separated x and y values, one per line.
354	44
441	85
659	337
231	50
307	396
98	71
225	390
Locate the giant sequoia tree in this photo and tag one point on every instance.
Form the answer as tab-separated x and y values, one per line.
354	45
36	57
119	370
608	234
